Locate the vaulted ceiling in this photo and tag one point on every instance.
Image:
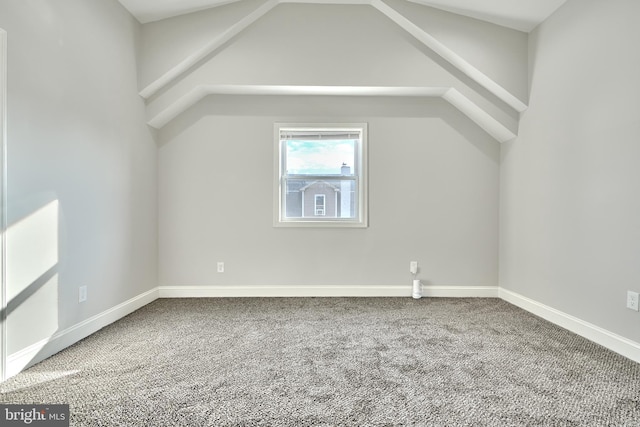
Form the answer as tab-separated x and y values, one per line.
480	97
522	15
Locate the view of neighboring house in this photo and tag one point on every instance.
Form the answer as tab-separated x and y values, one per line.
326	198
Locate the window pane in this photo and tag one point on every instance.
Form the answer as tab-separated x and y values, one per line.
305	157
327	198
320	178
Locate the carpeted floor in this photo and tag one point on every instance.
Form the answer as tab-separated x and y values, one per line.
334	362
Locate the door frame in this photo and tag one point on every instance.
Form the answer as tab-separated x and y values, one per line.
3	204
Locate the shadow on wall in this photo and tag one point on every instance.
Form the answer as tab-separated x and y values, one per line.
32	283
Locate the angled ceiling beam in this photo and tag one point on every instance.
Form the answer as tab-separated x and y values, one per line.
479	116
449	55
197	56
493	127
417	32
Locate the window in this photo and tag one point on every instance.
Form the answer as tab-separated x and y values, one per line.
320	175
320	204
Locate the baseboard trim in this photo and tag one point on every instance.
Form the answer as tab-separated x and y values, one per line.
460	291
42	349
610	340
39	351
323	291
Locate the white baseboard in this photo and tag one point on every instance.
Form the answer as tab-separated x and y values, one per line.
460	291
614	342
60	340
323	291
39	351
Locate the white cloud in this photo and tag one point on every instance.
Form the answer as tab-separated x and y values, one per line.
319	157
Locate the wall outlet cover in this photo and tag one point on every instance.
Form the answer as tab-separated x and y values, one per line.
632	300
413	267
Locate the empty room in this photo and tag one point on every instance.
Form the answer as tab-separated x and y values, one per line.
320	212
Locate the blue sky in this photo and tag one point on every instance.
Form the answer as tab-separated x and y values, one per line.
319	157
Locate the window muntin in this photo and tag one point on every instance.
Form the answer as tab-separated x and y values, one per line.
320	162
319	202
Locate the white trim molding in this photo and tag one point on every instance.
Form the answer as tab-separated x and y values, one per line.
191	60
598	335
493	127
418	33
62	339
160	117
324	291
3	203
450	56
39	351
460	291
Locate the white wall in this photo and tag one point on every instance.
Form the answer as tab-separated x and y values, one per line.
82	166
496	51
433	197
433	174
570	227
319	44
360	31
166	42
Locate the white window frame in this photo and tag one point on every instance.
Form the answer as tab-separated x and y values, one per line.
359	170
320	211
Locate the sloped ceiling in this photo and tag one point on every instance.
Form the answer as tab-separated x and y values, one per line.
170	93
522	15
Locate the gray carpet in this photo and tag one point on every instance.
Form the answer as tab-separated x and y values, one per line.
335	362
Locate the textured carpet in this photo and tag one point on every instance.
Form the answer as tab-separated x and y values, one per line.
334	362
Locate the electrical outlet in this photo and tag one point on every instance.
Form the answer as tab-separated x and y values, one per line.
82	294
632	300
220	267
413	267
